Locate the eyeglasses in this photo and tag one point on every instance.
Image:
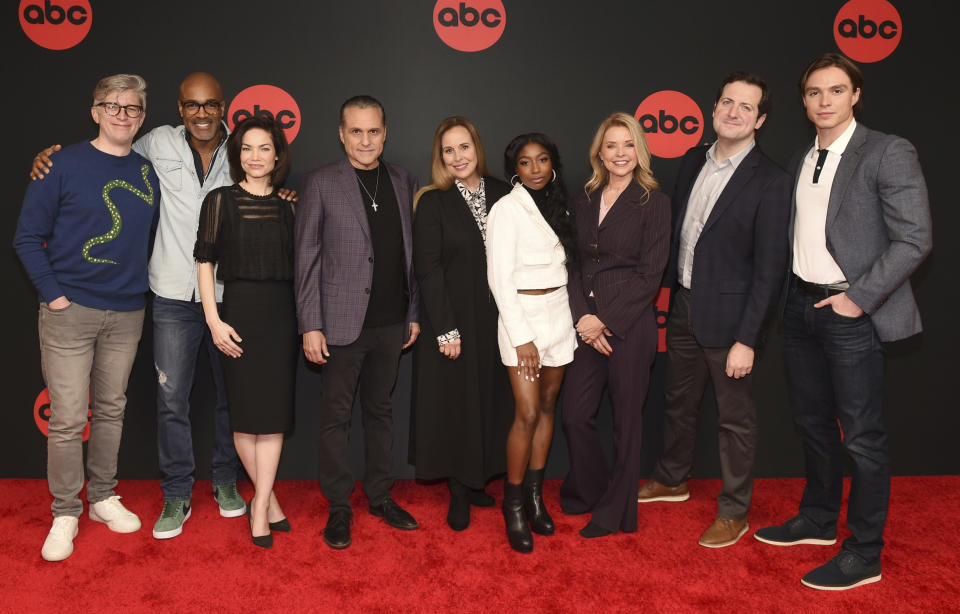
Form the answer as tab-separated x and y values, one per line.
113	109
192	107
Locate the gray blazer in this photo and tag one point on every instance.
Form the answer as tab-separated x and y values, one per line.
333	265
878	227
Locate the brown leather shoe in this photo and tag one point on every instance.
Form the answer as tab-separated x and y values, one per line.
724	532
655	491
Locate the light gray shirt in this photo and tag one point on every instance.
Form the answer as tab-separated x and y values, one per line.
173	271
706	191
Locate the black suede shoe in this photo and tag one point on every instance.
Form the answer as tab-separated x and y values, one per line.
337	532
518	533
479	498
458	514
264	541
282	526
394	515
537	515
844	571
797	530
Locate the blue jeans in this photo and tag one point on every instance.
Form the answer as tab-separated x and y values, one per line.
179	329
834	368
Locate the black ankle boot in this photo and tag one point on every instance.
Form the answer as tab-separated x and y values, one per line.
518	533
458	515
540	521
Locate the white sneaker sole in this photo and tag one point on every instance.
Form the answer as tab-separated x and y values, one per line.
870	580
232	513
173	532
810	541
668	498
113	524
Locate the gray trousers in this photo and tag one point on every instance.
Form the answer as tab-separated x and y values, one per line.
86	356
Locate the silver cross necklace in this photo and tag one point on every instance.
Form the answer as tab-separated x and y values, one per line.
376	189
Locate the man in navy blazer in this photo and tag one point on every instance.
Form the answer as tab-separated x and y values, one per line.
728	255
357	302
860	227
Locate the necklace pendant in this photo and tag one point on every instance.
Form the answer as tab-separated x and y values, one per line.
374	205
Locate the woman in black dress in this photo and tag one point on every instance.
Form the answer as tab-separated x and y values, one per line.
247	230
462	406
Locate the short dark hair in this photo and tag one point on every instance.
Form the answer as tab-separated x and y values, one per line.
280	170
748	77
363	101
843	63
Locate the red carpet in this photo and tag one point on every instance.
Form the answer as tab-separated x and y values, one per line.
213	567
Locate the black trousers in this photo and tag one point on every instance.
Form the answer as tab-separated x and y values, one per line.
610	493
367	367
689	367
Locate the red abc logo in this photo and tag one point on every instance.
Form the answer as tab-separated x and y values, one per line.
867	30
41	414
672	121
661	305
470	25
56	25
267	100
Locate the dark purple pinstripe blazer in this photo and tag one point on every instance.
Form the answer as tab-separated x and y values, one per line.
622	260
333	266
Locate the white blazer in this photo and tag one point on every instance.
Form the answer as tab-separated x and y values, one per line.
523	253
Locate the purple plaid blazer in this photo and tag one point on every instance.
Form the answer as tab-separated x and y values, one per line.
333	265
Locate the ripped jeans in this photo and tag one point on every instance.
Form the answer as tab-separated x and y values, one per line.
179	330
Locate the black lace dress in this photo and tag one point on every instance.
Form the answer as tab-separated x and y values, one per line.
250	238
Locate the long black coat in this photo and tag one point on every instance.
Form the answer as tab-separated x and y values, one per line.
461	409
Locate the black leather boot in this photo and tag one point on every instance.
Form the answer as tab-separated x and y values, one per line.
518	533
458	515
540	521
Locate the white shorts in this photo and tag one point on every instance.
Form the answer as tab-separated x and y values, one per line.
549	317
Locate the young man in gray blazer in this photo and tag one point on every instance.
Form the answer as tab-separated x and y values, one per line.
357	301
861	226
728	255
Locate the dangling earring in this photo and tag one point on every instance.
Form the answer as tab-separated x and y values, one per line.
517	183
554	180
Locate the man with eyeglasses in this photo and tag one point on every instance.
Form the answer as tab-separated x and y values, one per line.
190	161
83	238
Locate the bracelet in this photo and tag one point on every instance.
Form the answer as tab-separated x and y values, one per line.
448	337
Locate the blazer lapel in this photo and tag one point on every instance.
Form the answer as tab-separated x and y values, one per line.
531	208
353	199
845	170
741	177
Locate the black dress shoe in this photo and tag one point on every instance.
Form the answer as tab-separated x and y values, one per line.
394	515
594	530
518	533
282	526
458	514
537	515
337	532
264	541
479	498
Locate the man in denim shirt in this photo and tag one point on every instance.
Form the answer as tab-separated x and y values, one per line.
190	161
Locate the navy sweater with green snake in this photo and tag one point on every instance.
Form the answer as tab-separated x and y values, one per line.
84	230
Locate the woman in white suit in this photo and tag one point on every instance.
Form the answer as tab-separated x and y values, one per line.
530	238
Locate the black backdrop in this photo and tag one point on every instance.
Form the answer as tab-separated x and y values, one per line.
559	68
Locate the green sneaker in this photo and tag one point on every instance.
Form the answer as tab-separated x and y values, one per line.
230	502
170	522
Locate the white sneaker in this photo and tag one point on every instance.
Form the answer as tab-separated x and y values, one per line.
59	542
117	518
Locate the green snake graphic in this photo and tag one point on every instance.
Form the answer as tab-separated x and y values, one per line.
114	231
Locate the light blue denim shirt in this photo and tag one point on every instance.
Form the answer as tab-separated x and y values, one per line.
173	271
